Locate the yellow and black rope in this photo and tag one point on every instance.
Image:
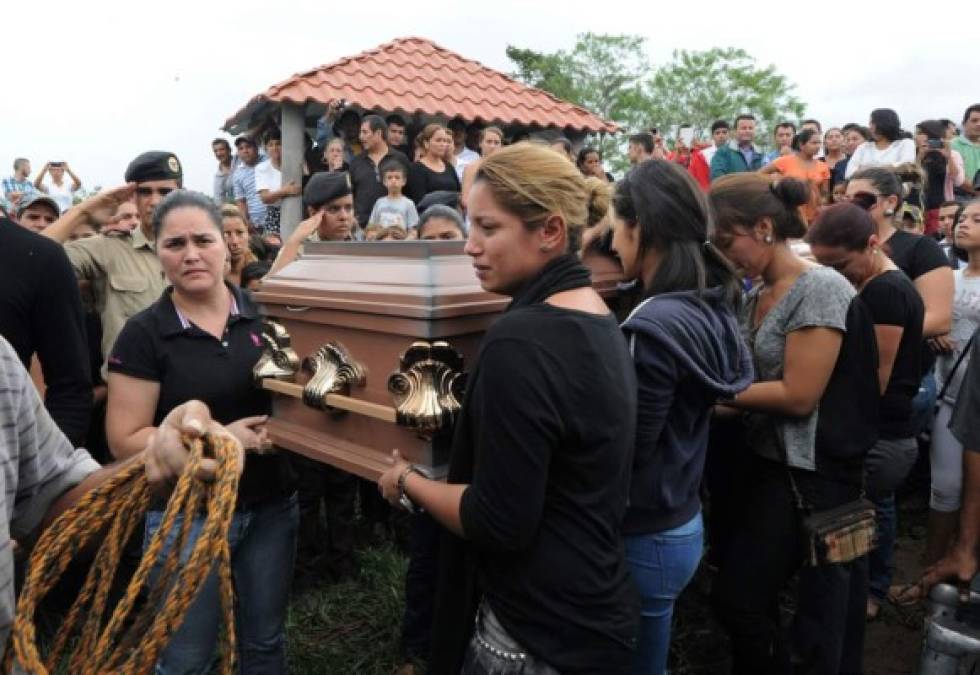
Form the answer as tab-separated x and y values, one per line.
128	641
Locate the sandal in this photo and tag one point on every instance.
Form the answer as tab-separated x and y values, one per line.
905	595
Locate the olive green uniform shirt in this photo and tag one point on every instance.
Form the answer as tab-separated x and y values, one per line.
126	278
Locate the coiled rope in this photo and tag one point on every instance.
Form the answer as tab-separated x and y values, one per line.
130	642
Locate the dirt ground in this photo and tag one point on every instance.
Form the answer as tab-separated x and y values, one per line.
892	642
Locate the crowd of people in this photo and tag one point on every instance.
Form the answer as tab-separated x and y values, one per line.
794	329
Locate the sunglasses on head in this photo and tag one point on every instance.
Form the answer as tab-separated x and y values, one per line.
865	200
144	191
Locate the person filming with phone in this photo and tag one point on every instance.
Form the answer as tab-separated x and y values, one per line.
56	187
942	168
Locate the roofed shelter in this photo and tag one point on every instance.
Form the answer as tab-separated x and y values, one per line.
413	77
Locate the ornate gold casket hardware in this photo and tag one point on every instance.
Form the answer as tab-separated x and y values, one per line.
333	371
428	387
278	360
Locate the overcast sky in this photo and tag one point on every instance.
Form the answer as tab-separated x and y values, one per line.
99	82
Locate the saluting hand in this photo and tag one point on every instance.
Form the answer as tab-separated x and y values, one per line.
108	200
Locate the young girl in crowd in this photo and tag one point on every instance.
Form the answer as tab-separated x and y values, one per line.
946	453
803	165
811	419
845	238
688	353
533	576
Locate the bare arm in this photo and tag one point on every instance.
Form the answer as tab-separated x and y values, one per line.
770	169
936	288
272	196
808	363
888	338
108	200
76	182
441	500
291	247
129	414
38	182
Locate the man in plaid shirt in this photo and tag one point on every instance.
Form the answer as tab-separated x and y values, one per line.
19	185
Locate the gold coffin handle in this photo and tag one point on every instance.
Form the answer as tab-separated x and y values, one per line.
332	371
428	387
278	359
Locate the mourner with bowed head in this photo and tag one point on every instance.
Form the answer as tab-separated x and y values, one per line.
810	420
845	238
201	324
688	353
539	472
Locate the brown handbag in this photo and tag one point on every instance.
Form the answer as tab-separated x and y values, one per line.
838	535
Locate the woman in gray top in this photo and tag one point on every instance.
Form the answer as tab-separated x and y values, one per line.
810	419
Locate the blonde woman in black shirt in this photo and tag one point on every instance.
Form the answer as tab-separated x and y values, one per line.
539	472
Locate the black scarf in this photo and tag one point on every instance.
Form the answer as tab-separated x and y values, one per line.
458	595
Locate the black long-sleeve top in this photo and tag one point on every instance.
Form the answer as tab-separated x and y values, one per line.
551	413
41	313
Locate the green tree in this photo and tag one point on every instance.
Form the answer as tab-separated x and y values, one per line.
698	87
605	74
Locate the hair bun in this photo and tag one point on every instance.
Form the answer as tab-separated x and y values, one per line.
791	192
599	195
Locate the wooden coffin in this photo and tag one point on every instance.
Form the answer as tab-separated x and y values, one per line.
367	346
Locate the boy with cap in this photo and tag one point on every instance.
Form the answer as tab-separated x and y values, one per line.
330	206
123	269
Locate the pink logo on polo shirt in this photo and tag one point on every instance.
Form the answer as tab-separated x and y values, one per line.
256	340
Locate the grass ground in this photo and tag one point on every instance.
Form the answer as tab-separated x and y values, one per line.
353	627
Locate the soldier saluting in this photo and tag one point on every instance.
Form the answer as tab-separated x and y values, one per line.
122	269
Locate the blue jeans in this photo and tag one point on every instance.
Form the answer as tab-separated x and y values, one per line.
886	466
662	563
263	550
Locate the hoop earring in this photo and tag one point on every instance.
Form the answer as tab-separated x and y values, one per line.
889	213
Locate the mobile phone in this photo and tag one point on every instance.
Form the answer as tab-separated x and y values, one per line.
936	143
687	136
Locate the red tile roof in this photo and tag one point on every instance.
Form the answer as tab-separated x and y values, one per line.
414	75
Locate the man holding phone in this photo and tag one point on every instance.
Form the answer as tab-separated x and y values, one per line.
56	187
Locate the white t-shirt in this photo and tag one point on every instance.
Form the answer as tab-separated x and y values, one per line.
966	318
62	195
868	155
268	177
464	159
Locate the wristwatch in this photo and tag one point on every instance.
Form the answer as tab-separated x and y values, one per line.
403	497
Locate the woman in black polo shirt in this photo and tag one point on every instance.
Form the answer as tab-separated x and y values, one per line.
540	464
200	340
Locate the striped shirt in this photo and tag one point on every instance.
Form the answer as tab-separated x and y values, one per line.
38	464
244	188
26	187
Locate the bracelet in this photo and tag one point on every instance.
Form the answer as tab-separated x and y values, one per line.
403	497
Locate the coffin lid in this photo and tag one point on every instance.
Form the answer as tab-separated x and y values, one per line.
415	279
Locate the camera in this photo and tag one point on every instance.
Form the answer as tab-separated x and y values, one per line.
935	143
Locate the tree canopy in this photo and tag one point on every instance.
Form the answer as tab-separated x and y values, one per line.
611	75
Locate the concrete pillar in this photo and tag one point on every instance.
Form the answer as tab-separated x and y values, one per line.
293	145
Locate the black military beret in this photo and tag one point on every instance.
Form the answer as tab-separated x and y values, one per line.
154	165
326	186
448	198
